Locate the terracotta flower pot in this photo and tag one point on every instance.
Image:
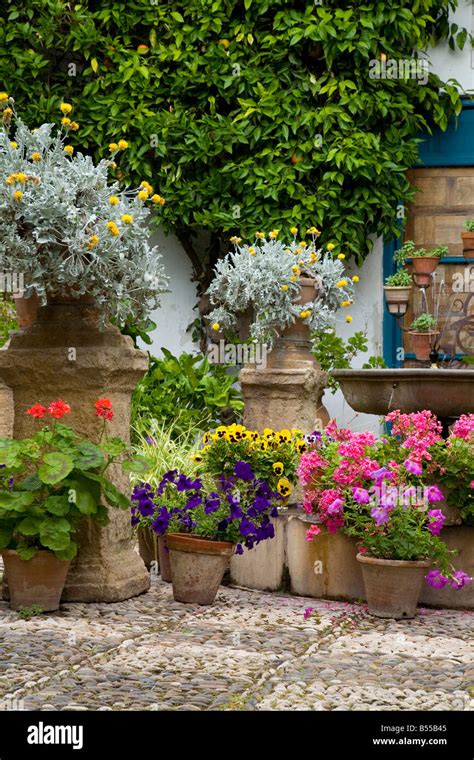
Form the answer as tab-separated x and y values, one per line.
421	343
468	244
148	546
197	567
392	586
423	268
27	310
164	559
39	580
397	298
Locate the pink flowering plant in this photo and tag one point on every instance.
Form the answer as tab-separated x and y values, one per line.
383	492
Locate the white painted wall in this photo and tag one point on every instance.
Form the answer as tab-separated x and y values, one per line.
176	311
457	64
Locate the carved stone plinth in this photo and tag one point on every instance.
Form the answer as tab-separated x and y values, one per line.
65	355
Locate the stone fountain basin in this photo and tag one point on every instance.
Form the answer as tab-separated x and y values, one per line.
446	392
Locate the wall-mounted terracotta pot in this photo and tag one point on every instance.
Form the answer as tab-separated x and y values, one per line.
421	343
397	298
423	268
468	244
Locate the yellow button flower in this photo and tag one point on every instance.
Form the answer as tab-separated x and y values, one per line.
113	200
295	269
127	218
68	149
113	147
236	240
20	177
260	235
65	121
294	230
158	199
93	240
65	108
13	145
146	186
274	234
313	231
293	278
312	258
356	278
216	326
346	303
341	256
330	246
113	229
74	126
303	244
224	43
122	144
36	156
284	288
252	250
3	97
143	195
17	195
349	318
341	283
7	114
305	313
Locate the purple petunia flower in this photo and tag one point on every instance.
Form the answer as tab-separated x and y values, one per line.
380	515
361	495
193	501
436	520
212	503
436	579
308	612
186	484
460	579
336	508
433	493
243	471
414	467
239	549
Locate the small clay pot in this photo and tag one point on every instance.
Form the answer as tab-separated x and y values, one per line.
397	298
392	586
423	268
421	343
39	580
197	567
468	244
148	546
27	310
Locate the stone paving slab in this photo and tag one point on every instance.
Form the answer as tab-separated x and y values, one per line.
249	651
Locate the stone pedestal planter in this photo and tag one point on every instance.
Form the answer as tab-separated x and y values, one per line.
64	355
288	392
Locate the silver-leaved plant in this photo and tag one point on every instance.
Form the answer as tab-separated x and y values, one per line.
68	229
265	278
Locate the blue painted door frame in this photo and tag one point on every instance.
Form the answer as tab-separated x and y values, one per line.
455	147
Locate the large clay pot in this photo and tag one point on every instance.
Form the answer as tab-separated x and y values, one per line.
421	343
39	580
197	567
397	299
148	546
164	558
392	586
423	268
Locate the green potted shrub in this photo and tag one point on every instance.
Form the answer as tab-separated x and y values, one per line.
468	239
397	291
49	483
206	522
423	332
424	262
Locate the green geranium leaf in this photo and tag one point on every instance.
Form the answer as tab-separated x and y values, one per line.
17	501
90	456
114	446
53	535
58	505
139	465
55	467
30	483
5	537
30	526
84	494
27	552
68	553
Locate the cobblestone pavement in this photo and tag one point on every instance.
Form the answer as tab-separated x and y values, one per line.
249	651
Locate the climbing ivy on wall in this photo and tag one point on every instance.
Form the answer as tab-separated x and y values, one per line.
244	114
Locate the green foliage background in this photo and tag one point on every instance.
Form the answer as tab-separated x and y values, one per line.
224	108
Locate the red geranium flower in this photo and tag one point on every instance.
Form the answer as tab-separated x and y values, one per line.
37	411
58	409
103	408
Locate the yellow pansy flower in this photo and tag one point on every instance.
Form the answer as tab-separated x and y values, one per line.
278	468
196	458
284	487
